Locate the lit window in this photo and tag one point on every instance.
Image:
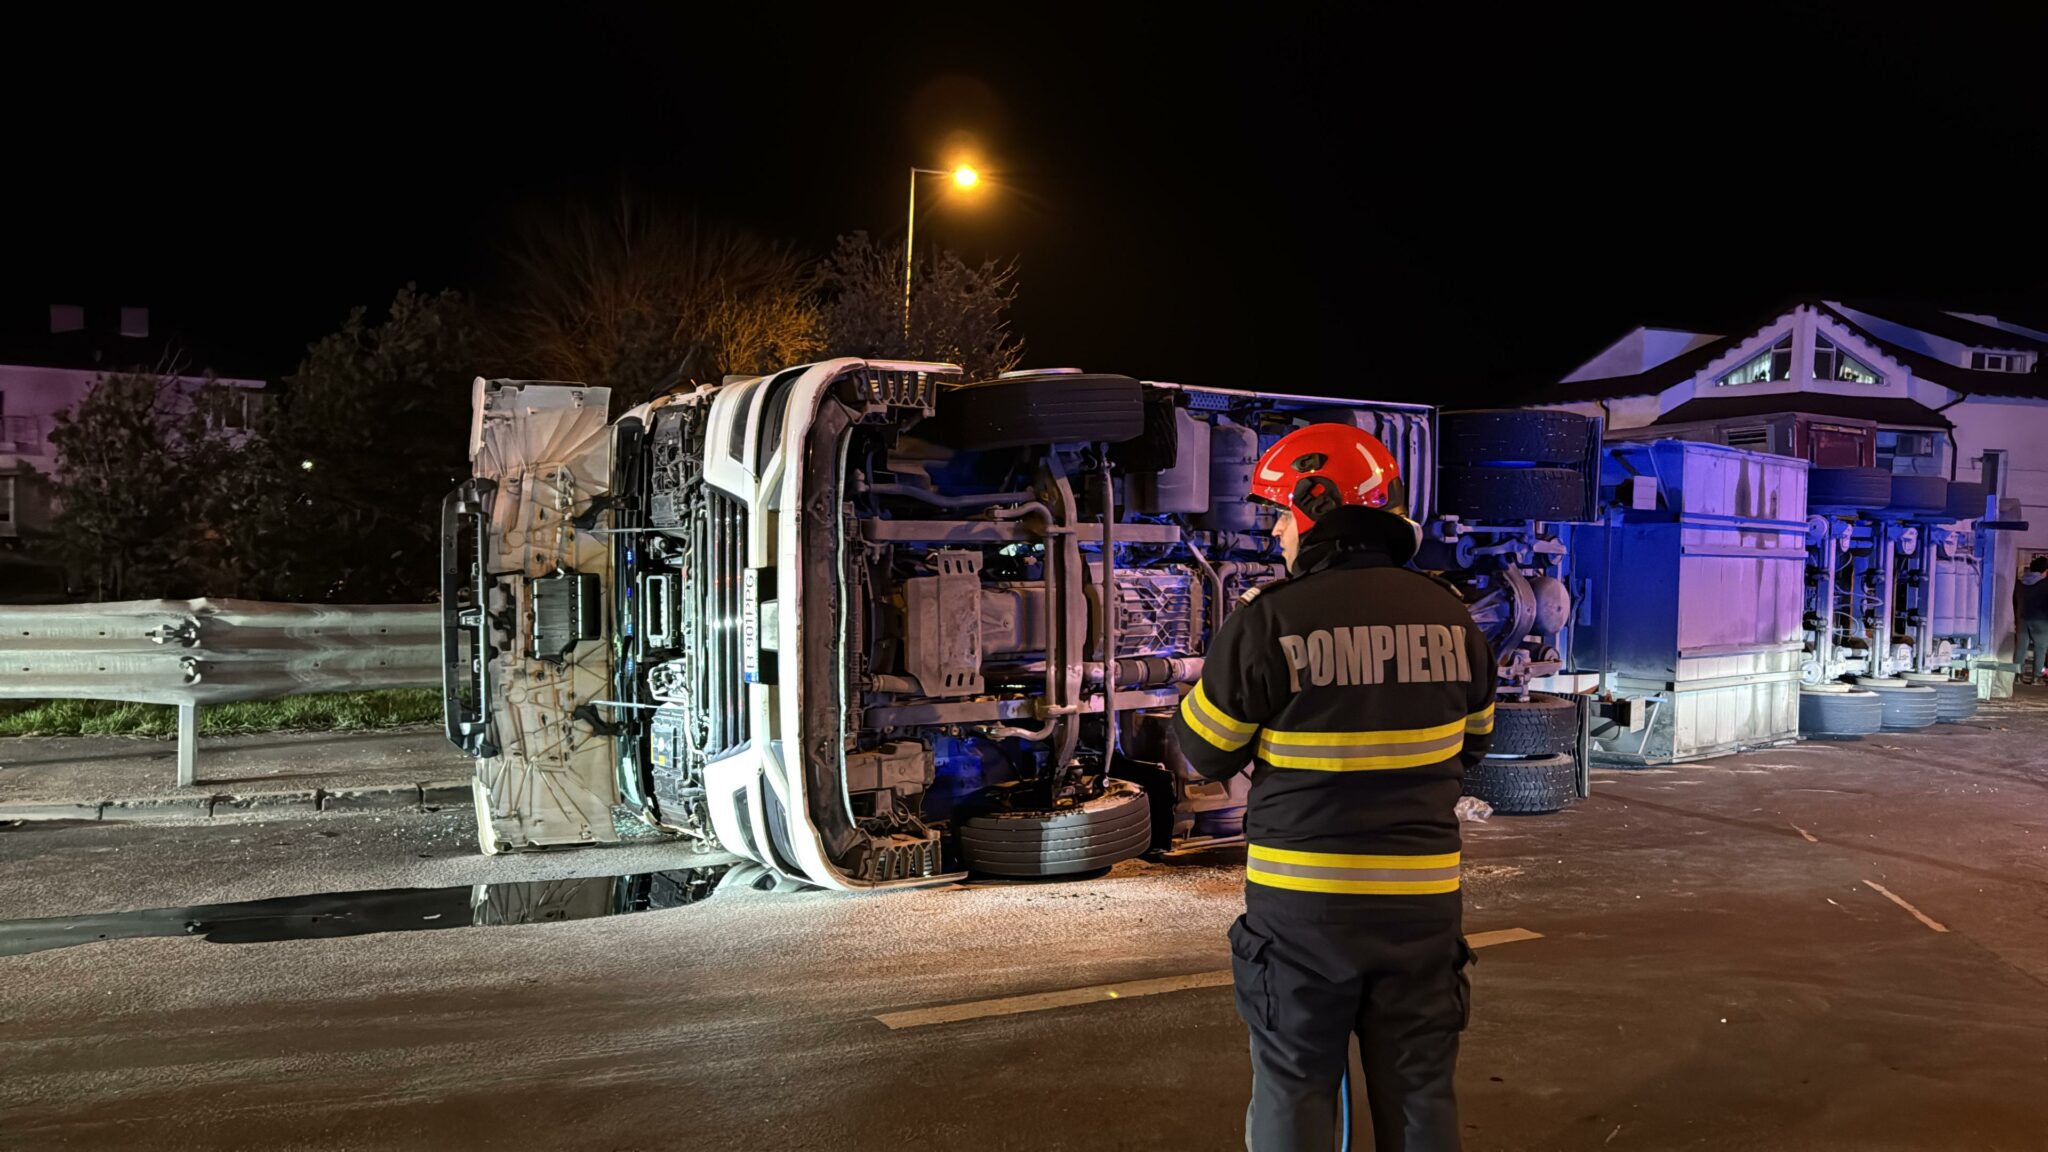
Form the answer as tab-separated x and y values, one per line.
1831	363
1773	363
1893	447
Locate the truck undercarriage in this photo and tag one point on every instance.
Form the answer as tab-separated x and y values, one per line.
865	625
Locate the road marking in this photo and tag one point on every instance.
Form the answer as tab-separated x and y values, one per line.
1501	936
1922	917
1124	990
1810	837
1040	1001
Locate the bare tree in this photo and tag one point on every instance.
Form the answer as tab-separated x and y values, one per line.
625	296
959	312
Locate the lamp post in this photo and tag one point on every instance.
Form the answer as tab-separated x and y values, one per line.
963	178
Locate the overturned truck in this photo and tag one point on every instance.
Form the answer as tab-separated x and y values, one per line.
871	626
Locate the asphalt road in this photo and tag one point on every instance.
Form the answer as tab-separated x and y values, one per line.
1715	970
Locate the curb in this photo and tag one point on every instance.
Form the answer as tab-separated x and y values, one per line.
429	796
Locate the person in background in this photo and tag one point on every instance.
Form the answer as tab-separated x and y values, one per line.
2030	620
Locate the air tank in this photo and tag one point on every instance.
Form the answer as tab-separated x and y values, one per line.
1183	487
1233	452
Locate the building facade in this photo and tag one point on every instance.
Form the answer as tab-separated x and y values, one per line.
1910	389
52	375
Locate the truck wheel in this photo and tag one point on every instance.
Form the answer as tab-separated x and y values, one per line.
1498	495
1071	408
1512	437
1838	711
1543	725
1116	825
1919	494
1524	787
1856	489
1955	700
1906	705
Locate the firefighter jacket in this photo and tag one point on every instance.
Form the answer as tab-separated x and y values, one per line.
1359	691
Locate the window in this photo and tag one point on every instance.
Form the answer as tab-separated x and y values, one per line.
1831	363
1773	363
1897	451
1998	361
67	318
6	499
1993	465
1747	438
1834	446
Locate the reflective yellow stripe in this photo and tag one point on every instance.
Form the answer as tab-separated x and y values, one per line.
1480	723
1214	724
1235	726
1362	751
1383	736
1355	887
1352	875
1344	860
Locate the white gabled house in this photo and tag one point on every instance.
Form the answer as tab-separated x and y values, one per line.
1950	394
1844	384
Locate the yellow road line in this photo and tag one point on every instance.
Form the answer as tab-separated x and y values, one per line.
1040	1001
1500	936
1922	917
1124	990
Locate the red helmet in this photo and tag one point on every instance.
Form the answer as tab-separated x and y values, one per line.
1313	471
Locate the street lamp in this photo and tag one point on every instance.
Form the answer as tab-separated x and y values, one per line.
964	178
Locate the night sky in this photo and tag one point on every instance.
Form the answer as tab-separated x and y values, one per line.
1371	204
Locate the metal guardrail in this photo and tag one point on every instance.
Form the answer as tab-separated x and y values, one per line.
191	653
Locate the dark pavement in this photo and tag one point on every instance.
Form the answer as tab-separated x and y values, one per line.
1716	970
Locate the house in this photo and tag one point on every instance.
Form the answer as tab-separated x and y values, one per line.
1952	394
1843	383
46	374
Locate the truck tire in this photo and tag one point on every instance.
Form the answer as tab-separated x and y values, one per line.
1955	700
1496	495
1543	725
1071	408
1116	825
1919	494
1906	705
1966	500
1857	489
1524	787
1836	711
1512	437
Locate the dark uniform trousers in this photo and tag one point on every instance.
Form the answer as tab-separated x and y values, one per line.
1307	983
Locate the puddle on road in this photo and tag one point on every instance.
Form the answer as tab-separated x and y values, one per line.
331	914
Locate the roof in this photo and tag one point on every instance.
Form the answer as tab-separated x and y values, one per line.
1969	381
1880	410
1948	325
1680	367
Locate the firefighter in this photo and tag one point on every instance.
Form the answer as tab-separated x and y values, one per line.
1358	690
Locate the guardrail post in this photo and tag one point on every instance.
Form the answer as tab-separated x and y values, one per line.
188	745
